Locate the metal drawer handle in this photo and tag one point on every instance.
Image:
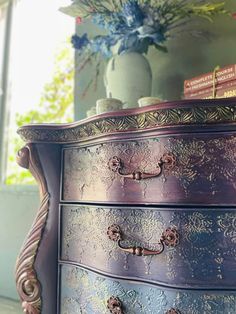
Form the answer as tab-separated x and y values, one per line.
167	161
170	237
114	305
173	311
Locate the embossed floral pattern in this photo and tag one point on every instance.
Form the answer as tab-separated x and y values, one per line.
201	171
91	292
204	243
227	224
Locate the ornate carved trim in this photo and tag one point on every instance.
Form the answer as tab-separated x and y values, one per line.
28	285
172	114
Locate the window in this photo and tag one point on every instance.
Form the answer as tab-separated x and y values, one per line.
39	77
5	18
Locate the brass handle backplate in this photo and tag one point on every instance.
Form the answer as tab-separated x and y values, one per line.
173	311
170	237
167	161
114	305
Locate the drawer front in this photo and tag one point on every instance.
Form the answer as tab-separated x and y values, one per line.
186	169
88	293
201	255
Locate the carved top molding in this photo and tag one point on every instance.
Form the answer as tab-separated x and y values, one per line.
158	117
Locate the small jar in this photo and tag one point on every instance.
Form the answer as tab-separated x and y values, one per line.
91	112
108	105
148	101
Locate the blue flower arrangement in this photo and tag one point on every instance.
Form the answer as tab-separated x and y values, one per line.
135	25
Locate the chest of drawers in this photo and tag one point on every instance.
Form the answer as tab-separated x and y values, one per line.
137	212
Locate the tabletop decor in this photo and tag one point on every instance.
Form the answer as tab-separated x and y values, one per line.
132	26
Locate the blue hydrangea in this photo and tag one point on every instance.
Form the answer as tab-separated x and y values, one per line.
133	14
99	20
103	45
78	42
134	27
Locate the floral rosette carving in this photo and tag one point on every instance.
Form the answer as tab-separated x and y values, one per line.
173	311
170	237
114	233
169	161
115	164
115	306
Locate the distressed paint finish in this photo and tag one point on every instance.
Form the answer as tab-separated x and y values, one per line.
205	256
204	171
87	293
200	137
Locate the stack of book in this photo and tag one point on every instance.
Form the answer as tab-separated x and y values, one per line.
217	84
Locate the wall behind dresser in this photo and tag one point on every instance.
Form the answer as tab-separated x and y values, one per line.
17	212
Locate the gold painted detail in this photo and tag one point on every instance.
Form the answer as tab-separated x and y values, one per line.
157	118
28	285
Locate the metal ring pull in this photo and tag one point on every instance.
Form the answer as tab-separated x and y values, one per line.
167	161
170	237
114	305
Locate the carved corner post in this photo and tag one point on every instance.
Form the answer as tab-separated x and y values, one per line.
28	285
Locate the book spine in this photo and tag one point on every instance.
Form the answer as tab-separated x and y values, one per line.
222	93
201	92
206	80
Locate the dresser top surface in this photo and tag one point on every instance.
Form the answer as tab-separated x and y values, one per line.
168	117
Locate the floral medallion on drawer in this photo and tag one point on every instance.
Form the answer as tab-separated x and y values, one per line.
88	293
177	247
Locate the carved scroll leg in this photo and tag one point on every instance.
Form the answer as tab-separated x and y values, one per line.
28	285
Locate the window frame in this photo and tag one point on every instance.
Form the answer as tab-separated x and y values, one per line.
4	111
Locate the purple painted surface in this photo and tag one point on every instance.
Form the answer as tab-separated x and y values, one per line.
203	258
47	258
203	172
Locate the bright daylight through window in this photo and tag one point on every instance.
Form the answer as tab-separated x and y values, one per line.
40	76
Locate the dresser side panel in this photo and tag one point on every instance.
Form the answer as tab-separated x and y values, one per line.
46	262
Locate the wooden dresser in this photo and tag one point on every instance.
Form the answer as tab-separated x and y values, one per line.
137	212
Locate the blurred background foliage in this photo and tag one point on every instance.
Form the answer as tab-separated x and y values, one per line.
55	106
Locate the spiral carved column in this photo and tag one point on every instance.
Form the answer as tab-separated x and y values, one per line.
28	285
